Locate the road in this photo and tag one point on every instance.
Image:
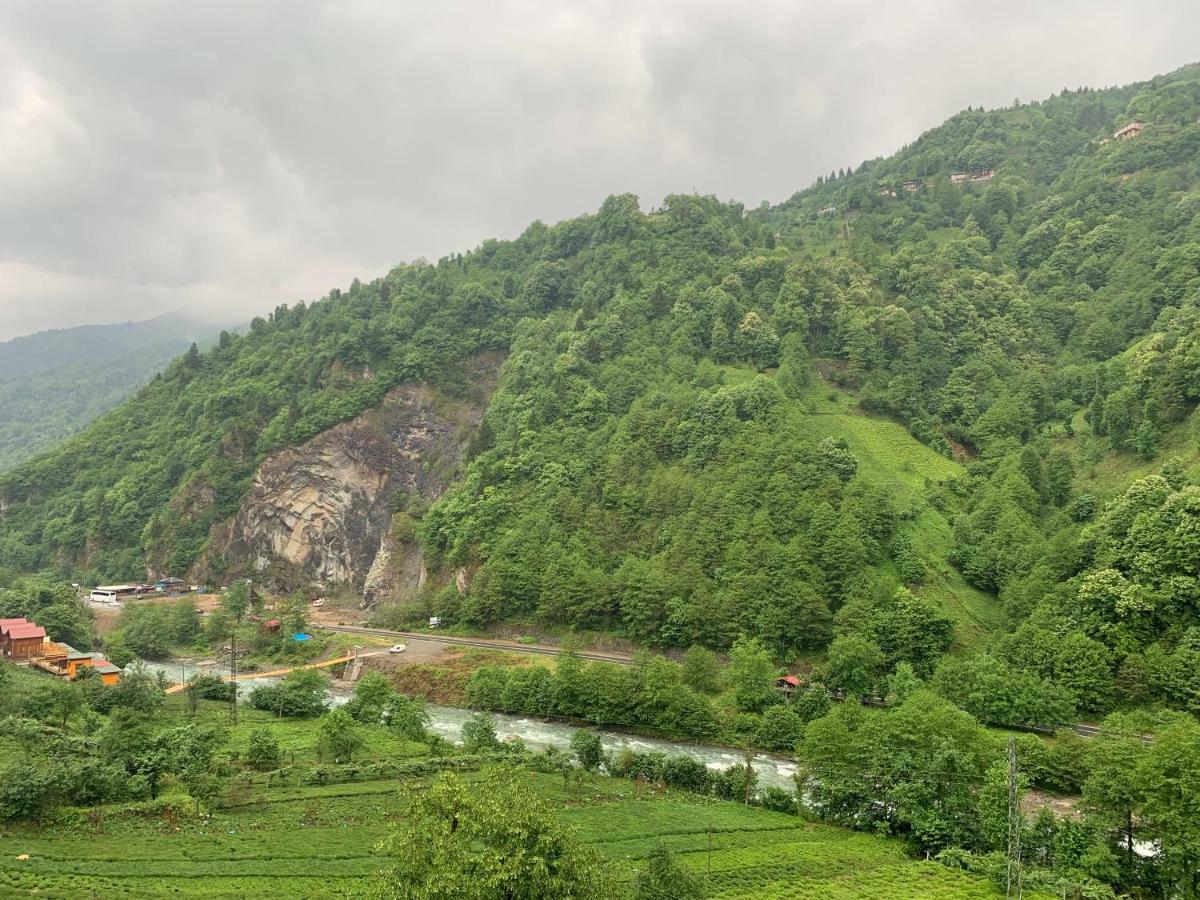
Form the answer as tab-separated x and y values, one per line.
486	643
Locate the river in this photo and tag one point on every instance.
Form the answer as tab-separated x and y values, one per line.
537	734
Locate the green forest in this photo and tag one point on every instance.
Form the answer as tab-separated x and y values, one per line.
54	383
926	432
933	414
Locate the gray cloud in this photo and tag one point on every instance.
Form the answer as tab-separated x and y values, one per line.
223	157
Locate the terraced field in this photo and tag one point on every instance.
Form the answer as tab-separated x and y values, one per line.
319	842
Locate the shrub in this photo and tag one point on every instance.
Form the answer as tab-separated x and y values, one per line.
262	752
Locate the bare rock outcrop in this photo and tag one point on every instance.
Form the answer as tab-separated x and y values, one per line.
324	513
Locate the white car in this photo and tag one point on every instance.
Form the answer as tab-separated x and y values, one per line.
397	648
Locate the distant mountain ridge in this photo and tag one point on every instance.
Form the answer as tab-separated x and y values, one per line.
54	383
56	347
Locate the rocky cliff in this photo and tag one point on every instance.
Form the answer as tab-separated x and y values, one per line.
336	510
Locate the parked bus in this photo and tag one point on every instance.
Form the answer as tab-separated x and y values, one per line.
113	593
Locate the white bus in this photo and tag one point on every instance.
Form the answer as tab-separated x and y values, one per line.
112	594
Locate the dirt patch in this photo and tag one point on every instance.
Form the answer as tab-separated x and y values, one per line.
1062	806
438	672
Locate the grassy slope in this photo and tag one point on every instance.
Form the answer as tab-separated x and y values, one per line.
888	454
319	842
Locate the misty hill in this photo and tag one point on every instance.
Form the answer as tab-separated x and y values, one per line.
55	382
892	409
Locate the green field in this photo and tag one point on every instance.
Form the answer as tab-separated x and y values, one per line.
320	842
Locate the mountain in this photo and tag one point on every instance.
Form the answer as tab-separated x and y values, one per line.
53	383
923	404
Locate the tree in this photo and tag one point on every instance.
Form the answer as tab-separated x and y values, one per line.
901	684
262	750
337	736
1111	789
117	650
407	716
185	622
68	701
852	665
234	603
236	600
751	674
587	749
870	769
663	876
1168	778
372	694
780	730
479	733
701	670
462	840
300	694
911	629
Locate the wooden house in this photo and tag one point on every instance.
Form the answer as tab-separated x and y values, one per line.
5	624
65	661
23	640
1132	130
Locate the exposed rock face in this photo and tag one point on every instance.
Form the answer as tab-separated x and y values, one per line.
322	513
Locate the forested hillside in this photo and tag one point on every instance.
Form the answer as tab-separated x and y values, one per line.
54	383
905	410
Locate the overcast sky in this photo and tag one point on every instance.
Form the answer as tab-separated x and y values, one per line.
223	157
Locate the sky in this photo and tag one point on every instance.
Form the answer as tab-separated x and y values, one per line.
220	158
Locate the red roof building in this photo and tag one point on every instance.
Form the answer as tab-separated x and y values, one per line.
787	683
22	640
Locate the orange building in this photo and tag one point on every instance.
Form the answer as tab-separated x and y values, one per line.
65	661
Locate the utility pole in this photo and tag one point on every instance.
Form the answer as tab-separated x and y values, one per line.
233	673
1013	883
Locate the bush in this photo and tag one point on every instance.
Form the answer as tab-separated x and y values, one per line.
299	695
778	800
780	730
479	733
262	752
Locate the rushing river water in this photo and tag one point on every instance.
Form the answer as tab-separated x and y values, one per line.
447	721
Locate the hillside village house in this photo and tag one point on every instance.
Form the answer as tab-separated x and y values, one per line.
1132	130
980	173
65	661
21	639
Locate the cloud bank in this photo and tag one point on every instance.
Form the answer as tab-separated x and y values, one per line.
219	158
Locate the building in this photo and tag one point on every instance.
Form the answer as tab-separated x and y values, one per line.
66	662
109	674
21	639
913	184
826	210
4	626
979	173
1132	130
788	684
170	586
